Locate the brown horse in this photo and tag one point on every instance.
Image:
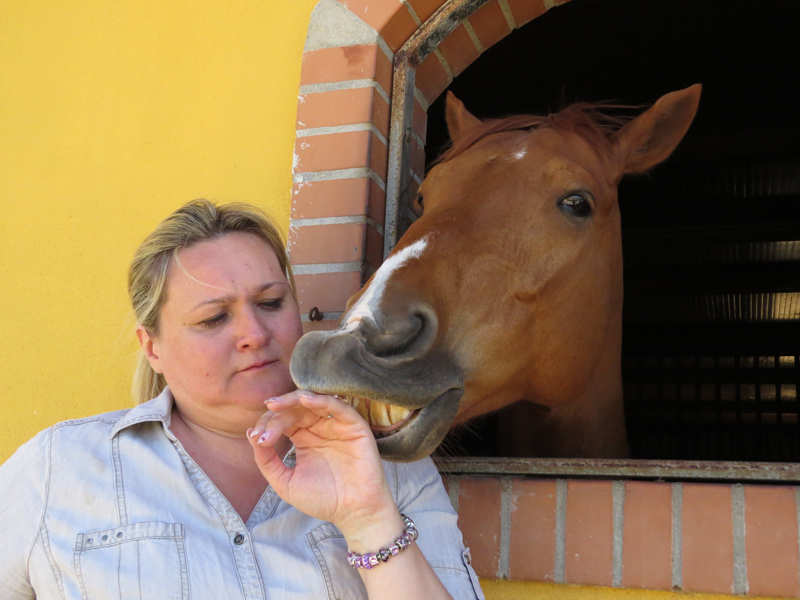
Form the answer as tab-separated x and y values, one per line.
508	287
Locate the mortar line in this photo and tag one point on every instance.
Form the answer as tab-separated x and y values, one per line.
618	497
350	128
503	567
740	585
316	269
421	99
352	84
326	316
507	14
343	220
412	12
561	530
473	36
677	539
454	485
354	173
445	64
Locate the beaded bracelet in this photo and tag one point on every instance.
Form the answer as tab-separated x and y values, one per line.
372	559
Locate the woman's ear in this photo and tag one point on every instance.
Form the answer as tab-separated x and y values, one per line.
652	136
148	347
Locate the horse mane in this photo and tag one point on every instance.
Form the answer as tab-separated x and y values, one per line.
593	122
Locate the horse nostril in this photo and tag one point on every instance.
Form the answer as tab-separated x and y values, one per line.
404	344
400	336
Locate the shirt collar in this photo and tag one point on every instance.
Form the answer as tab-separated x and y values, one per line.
157	409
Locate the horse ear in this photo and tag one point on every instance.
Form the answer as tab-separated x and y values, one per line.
459	119
652	136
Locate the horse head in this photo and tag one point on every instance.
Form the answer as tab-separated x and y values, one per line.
507	287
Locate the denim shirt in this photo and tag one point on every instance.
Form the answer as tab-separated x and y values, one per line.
112	507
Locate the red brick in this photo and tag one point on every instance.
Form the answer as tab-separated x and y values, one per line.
377	203
381	113
525	11
647	538
329	292
390	18
383	72
327	243
320	326
338	107
707	535
425	8
333	152
374	252
378	157
479	521
490	24
342	64
334	198
533	530
417	158
589	533
343	107
397	31
771	541
432	79
458	50
420	120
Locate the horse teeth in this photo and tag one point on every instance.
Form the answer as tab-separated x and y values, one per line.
379	414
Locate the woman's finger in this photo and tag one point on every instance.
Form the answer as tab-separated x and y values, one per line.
323	406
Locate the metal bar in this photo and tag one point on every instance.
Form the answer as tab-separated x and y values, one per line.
408	58
675	470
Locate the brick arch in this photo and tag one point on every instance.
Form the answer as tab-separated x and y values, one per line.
341	160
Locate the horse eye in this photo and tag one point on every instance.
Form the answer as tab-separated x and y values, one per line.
577	205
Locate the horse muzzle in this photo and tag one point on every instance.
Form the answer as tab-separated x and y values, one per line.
409	397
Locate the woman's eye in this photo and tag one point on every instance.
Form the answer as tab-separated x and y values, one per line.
576	205
214	321
273	304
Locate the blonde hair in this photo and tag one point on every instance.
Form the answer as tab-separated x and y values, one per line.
197	221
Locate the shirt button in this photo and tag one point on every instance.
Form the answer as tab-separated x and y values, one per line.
105	537
239	539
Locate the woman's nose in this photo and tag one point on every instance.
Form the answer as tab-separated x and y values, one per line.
251	332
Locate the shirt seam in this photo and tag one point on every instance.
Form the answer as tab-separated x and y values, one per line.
41	526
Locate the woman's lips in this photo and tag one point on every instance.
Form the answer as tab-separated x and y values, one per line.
258	365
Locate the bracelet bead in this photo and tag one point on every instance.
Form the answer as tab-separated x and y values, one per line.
372	559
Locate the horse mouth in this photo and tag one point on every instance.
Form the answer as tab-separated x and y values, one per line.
384	419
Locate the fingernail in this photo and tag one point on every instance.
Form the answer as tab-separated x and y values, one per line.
268	400
247	433
254	432
265	437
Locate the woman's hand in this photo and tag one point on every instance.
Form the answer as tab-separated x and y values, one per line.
338	475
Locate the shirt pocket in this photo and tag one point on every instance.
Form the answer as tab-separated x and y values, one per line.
142	561
330	549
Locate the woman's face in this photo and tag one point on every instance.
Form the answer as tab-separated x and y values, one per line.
227	331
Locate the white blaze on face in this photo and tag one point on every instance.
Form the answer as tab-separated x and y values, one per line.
369	301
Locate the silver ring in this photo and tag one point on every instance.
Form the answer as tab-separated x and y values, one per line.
330	416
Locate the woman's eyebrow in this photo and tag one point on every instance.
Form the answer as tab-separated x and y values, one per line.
232	297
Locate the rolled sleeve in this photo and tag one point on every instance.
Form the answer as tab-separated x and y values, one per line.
421	496
23	479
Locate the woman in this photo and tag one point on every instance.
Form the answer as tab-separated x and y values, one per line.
166	500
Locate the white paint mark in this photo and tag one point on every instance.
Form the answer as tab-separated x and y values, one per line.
371	298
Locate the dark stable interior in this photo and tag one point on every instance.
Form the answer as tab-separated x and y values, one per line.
711	238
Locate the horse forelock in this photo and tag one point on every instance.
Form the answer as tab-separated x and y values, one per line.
594	123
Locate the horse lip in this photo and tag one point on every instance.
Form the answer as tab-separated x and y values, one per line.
420	436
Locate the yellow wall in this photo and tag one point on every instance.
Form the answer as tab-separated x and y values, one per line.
112	114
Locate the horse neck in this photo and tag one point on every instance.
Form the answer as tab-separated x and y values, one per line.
594	424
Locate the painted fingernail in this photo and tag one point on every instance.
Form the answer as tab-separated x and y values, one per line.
254	432
268	400
265	437
247	433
